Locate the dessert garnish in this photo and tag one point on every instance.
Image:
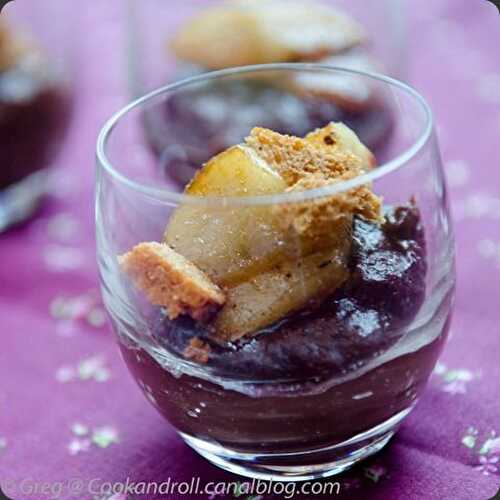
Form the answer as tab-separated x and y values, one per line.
171	281
197	350
239	33
242	267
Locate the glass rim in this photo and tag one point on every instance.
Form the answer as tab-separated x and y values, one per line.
167	195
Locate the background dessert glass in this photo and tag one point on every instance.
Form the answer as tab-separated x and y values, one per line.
34	101
308	398
153	25
170	42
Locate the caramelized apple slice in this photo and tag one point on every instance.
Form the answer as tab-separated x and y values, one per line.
236	242
230	242
269	297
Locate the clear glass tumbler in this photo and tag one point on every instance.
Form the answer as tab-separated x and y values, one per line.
153	25
317	353
35	101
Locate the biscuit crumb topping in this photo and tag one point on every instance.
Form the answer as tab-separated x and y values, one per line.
197	350
324	157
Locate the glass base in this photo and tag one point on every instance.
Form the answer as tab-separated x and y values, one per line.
300	466
19	201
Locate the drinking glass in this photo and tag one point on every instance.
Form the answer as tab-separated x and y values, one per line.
312	389
152	25
35	101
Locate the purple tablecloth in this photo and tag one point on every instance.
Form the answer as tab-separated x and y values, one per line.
69	409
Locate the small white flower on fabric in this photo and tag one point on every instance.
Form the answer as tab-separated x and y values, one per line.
96	317
66	328
461	375
61	259
62	227
440	368
469	441
477	206
457	173
93	368
79	429
78	446
490	446
65	374
3	443
105	436
487	465
494	446
457	387
488	248
375	473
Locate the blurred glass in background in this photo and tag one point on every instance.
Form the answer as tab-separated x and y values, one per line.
35	102
168	41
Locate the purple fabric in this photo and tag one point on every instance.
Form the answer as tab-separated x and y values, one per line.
69	408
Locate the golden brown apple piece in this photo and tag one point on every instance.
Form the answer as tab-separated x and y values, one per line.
245	32
292	286
228	242
274	259
233	241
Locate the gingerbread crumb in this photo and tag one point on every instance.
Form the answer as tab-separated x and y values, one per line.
295	158
324	157
197	350
329	215
168	279
337	137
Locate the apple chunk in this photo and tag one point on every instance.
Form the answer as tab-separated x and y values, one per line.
229	242
268	297
273	260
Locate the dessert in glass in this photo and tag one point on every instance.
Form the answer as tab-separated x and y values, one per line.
284	309
233	33
34	109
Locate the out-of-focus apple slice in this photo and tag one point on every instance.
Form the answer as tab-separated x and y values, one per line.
229	242
246	32
269	297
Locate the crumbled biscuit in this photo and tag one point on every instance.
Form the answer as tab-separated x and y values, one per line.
329	215
246	32
325	157
337	137
295	158
197	350
170	280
